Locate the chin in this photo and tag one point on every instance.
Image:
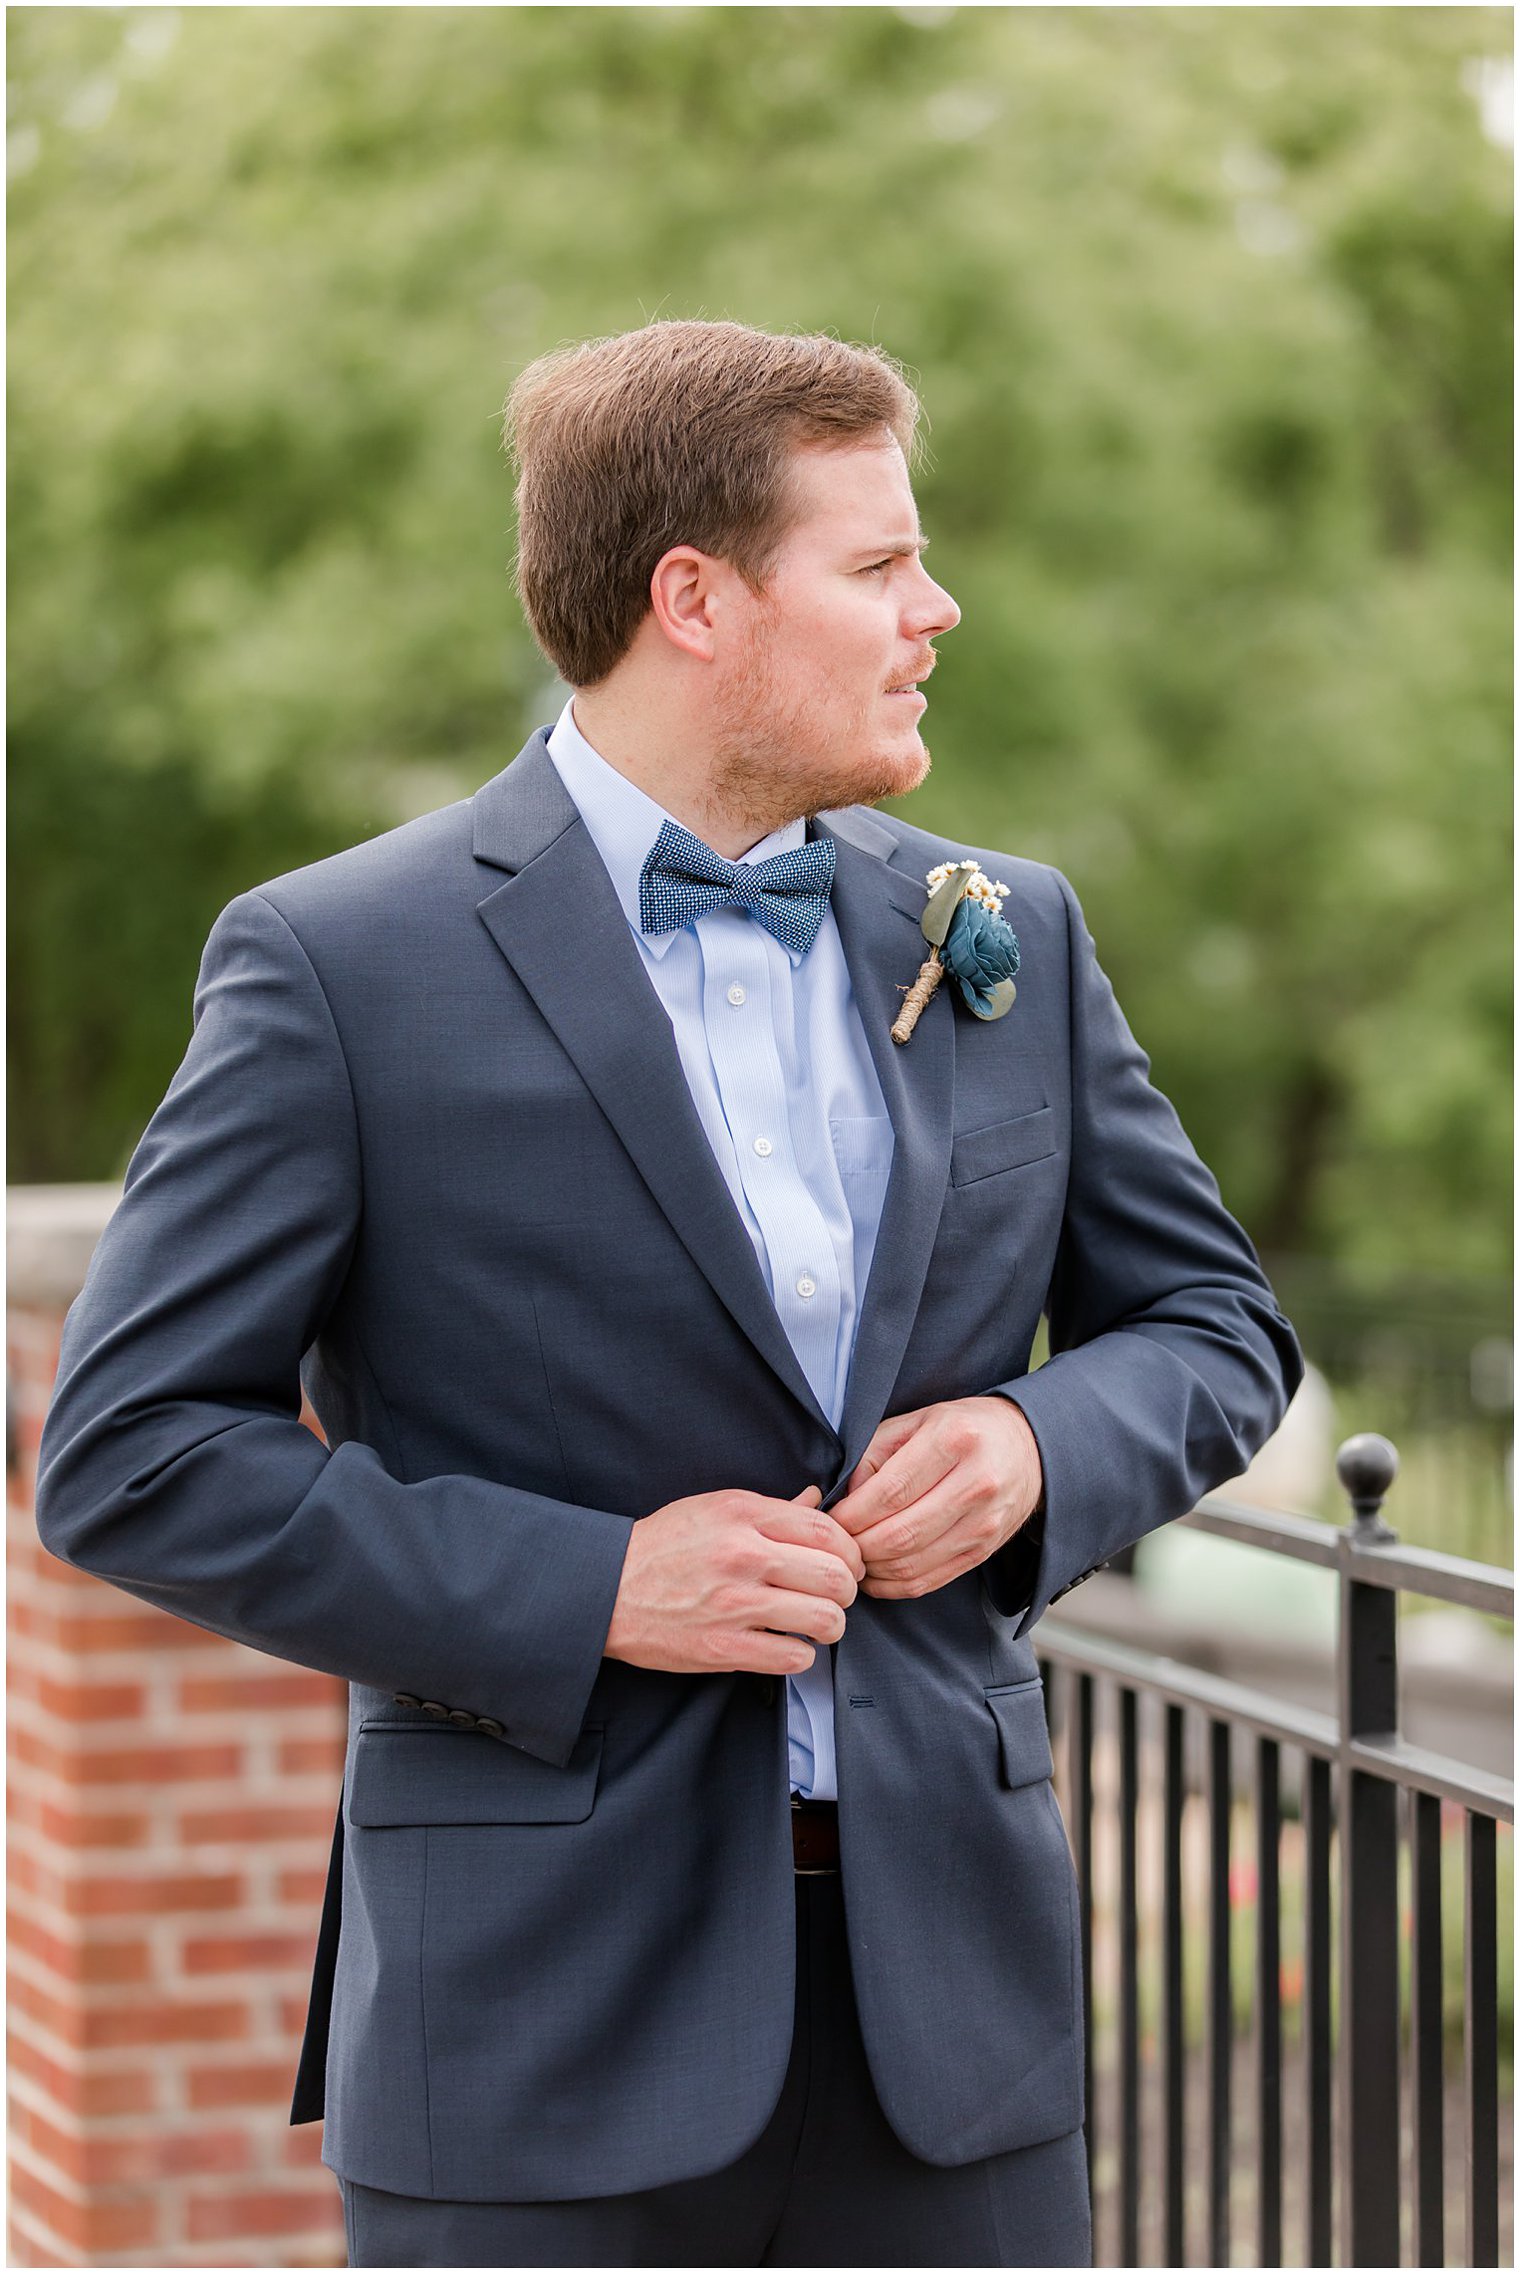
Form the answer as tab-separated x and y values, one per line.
893	773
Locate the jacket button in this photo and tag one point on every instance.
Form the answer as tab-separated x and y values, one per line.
461	1719
402	1698
438	1712
490	1728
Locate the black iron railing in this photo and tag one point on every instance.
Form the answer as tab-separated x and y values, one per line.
1360	2176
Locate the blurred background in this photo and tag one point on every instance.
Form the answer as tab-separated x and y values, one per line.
1209	312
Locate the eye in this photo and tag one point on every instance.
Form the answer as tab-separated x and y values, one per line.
876	567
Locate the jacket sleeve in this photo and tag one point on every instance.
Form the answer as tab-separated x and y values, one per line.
1170	1362
174	1462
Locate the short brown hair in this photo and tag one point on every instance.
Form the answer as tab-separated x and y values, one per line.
679	433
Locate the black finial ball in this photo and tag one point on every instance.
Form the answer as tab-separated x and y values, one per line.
1367	1466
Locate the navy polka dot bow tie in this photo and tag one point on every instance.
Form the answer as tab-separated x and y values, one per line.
682	878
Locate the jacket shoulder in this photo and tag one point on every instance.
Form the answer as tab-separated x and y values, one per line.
1033	885
379	889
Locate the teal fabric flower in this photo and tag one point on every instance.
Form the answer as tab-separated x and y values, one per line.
968	938
981	955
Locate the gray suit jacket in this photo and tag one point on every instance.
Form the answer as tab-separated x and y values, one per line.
431	1140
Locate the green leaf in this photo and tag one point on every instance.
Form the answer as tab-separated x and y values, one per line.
999	1002
943	902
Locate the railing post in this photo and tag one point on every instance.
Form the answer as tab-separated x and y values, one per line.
1369	1843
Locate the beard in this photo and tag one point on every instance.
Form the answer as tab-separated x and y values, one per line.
778	759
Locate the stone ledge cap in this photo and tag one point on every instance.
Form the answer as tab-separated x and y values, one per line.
51	1231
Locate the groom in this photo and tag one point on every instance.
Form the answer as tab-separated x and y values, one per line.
699	1895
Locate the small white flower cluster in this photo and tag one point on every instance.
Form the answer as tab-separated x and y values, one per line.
980	888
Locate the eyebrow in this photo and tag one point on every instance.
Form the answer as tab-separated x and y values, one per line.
893	545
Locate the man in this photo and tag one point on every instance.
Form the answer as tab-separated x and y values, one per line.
670	1326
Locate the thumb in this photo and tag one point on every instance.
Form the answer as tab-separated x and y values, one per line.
817	1497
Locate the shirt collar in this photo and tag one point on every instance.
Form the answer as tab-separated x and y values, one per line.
624	821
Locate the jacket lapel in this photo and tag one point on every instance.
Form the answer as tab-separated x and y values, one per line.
877	909
614	1028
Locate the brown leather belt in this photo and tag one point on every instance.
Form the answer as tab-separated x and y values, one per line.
815	1834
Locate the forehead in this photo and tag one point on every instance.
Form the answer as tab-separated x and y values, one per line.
857	492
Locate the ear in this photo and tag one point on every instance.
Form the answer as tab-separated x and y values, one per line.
685	598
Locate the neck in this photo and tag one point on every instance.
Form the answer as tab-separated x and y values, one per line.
672	758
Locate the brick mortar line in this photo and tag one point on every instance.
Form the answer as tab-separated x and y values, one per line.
267	2115
124	1661
173	1854
262	2122
104	2193
169	1721
220	1988
26	2229
288	1788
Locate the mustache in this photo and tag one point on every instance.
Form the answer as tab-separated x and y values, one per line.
920	670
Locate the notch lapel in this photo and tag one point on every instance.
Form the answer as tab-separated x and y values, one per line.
615	1030
877	909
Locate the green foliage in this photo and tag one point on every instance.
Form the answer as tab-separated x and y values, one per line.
1207	310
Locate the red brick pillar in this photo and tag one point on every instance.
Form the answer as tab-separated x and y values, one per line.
171	1808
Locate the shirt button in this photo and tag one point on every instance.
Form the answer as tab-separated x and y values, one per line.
807	1287
736	993
763	1147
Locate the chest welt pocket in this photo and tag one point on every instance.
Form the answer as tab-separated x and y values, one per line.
1023	1737
456	1776
979	1153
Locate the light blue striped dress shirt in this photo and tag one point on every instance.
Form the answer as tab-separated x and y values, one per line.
781	1076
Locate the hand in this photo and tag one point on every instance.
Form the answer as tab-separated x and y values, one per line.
725	1582
939	1490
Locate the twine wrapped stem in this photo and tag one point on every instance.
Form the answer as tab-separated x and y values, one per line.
930	973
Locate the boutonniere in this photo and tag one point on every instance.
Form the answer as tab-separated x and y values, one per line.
963	924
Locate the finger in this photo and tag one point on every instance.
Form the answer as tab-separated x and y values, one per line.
921	1583
755	1651
811	1615
899	1546
917	1465
884	1443
809	1571
809	1528
802	1497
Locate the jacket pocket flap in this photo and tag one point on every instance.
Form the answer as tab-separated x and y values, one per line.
1023	1737
1005	1145
457	1776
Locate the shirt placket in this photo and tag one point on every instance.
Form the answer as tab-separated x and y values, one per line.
802	1268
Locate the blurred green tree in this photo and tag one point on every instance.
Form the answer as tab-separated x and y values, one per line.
1208	310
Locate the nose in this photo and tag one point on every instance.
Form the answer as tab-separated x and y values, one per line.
932	610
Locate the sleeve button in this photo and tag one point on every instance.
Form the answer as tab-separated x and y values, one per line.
461	1719
438	1712
490	1728
404	1698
